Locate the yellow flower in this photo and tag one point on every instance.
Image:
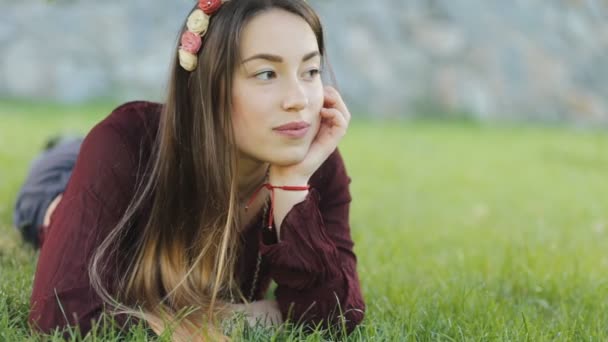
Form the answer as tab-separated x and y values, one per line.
198	22
187	60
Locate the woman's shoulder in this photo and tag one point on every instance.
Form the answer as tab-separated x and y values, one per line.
142	109
121	142
134	120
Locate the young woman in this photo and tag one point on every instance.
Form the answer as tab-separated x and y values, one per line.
197	203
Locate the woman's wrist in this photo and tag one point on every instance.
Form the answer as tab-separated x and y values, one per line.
279	178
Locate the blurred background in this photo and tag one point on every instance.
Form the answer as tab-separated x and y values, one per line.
524	60
477	152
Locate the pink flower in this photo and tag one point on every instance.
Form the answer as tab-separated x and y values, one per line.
209	6
187	60
191	42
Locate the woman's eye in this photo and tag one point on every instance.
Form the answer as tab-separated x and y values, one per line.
265	75
313	72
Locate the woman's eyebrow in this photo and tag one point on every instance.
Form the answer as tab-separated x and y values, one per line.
279	59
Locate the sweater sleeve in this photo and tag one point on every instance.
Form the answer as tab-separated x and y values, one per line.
314	265
96	196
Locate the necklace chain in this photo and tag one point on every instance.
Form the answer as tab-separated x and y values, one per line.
258	262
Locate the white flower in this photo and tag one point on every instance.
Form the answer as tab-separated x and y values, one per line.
198	22
187	60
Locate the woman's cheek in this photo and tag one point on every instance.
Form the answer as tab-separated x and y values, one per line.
317	113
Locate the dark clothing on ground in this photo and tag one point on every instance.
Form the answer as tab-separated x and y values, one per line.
48	176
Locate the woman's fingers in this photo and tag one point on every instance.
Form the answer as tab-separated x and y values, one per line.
334	116
266	312
333	99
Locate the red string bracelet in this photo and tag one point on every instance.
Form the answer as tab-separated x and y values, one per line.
271	188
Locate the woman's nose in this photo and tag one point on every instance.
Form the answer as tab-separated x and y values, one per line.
295	98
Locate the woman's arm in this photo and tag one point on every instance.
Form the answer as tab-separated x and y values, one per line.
314	264
100	188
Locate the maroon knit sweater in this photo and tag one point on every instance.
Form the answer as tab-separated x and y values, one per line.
313	265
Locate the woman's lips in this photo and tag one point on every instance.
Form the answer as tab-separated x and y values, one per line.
293	129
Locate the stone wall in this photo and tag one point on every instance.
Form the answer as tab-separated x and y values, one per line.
519	59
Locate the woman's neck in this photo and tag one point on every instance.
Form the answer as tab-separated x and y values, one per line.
251	175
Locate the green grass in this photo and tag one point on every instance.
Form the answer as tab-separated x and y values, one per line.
463	231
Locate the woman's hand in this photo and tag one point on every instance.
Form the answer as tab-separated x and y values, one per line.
265	312
334	122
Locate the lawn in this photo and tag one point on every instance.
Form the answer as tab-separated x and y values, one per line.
463	231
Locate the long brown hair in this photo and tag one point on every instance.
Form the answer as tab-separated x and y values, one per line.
182	253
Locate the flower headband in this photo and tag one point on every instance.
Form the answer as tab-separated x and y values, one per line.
192	38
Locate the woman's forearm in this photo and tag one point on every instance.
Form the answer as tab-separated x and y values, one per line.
284	201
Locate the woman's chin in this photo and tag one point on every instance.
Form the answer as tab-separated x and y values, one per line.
288	159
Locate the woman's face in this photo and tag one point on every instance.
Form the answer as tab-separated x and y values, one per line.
278	83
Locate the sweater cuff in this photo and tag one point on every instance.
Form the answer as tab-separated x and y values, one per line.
306	255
